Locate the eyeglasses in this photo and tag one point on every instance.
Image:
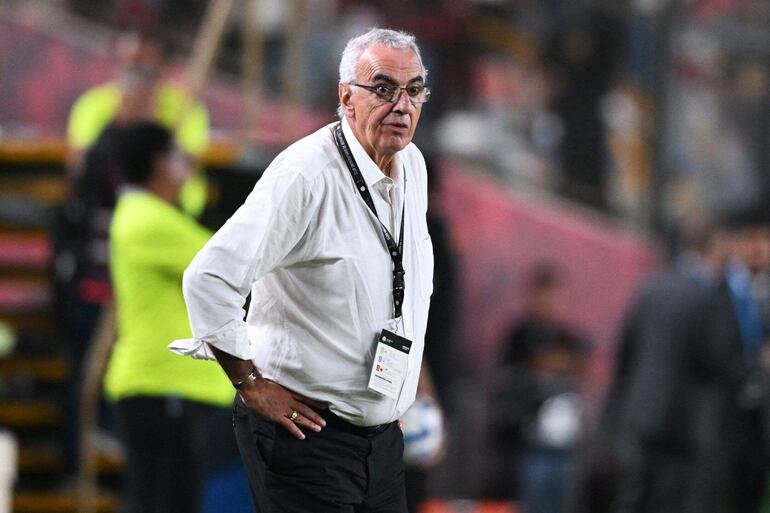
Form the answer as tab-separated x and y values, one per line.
417	93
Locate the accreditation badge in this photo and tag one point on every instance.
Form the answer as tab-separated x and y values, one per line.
390	365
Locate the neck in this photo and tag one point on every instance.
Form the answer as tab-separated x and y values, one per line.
384	163
162	190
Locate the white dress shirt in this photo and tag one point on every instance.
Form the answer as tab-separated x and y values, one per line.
314	258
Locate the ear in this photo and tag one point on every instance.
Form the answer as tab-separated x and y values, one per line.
345	93
159	165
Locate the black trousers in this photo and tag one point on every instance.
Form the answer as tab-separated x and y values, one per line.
656	479
342	469
749	461
172	445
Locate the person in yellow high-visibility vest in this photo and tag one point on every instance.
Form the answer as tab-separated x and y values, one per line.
141	89
166	406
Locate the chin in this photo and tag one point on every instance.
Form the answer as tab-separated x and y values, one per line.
398	143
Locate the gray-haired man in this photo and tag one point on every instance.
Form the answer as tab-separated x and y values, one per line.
333	246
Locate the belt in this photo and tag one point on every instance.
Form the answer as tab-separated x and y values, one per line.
343	425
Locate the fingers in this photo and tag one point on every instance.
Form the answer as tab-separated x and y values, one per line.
303	421
303	416
309	415
291	427
290	410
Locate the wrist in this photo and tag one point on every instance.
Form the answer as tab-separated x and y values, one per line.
247	380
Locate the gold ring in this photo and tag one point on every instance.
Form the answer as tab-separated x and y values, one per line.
294	415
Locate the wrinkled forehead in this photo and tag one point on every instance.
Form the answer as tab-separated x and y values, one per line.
401	65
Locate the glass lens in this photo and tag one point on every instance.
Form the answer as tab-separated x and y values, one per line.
389	93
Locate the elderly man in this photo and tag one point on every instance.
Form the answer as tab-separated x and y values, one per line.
333	246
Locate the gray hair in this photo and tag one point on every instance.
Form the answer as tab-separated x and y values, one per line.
375	36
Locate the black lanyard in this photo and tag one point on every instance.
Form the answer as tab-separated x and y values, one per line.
396	250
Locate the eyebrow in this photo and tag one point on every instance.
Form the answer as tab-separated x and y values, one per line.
391	80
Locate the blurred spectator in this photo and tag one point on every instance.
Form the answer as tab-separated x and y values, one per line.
714	128
142	87
140	92
653	411
675	409
584	55
747	441
509	126
545	363
81	270
441	353
81	234
172	412
444	33
626	113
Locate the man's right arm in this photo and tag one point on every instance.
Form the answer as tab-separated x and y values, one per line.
253	242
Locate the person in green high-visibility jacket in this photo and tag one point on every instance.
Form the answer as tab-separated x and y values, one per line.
142	89
166	405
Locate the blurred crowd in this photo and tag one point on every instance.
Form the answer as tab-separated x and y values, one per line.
518	86
548	95
685	422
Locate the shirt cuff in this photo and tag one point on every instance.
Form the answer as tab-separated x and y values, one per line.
233	340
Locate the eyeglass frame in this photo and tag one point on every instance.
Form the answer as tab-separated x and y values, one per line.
396	96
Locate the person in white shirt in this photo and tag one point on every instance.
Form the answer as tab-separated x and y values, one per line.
333	246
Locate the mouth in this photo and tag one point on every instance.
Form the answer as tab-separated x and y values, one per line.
401	128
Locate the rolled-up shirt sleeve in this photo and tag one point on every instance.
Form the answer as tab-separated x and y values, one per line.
252	243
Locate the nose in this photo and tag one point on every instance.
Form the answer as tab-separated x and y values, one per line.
403	103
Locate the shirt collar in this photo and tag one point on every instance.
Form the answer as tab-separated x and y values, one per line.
369	170
129	188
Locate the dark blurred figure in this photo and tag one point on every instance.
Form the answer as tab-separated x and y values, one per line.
81	233
445	37
441	349
659	396
584	55
545	363
440	354
746	334
682	406
143	88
